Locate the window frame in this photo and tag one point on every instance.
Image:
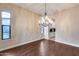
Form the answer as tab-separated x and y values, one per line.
9	32
5	25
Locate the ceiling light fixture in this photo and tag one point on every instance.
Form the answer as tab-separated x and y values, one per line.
45	20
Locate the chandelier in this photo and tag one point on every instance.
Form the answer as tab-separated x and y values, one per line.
45	20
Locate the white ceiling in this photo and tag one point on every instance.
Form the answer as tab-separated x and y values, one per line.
52	8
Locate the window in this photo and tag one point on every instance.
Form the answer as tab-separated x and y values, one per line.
52	30
6	27
42	29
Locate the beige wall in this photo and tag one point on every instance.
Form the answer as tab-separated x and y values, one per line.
25	27
67	26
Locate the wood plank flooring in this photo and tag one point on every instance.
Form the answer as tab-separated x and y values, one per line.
42	48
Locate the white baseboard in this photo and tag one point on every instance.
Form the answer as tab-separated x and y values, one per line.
36	40
17	45
75	45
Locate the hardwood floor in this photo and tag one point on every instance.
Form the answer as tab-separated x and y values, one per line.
42	48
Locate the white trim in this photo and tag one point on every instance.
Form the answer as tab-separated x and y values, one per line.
36	40
75	45
13	46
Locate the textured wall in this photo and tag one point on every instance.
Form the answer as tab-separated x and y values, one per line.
24	24
67	26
